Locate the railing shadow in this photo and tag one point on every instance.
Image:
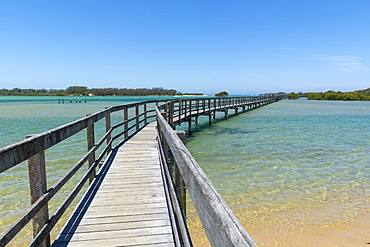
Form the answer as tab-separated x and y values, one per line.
74	221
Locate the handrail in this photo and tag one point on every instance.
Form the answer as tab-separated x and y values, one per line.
33	150
221	225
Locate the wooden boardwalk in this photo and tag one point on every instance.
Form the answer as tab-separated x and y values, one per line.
138	175
129	206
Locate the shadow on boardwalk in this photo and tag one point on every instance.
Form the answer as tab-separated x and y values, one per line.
78	214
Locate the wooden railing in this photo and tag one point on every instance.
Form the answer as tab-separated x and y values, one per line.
32	149
220	224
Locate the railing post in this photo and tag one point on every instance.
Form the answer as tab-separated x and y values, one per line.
125	118
90	145
180	112
172	112
179	182
145	115
107	128
137	116
214	108
209	112
164	144
38	186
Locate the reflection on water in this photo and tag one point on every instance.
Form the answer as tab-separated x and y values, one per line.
292	170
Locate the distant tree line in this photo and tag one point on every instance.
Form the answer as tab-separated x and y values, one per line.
85	91
363	95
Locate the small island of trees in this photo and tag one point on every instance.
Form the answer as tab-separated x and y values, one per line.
222	94
362	95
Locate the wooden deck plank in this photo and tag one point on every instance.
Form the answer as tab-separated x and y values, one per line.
129	207
154	240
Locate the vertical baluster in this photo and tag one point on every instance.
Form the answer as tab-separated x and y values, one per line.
90	144
38	186
137	116
145	115
179	182
107	128
125	118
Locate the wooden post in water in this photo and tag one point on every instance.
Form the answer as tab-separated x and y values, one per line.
38	186
209	112
107	128
90	145
172	113
214	108
125	118
179	182
189	126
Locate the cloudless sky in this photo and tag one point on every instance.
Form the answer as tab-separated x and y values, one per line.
248	46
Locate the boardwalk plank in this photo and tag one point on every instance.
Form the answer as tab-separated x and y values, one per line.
129	207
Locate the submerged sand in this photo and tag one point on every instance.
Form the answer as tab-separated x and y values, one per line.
296	229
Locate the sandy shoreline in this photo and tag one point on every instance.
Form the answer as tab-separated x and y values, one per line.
275	230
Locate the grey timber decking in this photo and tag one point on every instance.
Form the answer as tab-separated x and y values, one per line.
128	206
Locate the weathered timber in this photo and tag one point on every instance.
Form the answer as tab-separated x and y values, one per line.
38	186
140	168
220	224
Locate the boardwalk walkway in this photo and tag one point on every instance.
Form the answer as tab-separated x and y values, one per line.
138	175
129	206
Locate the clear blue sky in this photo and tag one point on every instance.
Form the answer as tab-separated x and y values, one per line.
241	46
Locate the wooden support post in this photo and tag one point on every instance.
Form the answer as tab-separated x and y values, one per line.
189	127
90	145
137	117
38	186
145	115
107	128
214	108
125	118
179	182
171	113
164	143
181	110
209	112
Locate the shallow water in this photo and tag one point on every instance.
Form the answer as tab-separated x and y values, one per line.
290	170
290	167
20	116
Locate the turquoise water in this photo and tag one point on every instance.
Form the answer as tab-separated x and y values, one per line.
306	162
20	116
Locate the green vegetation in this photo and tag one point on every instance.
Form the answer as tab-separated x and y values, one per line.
334	95
222	94
85	91
295	95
